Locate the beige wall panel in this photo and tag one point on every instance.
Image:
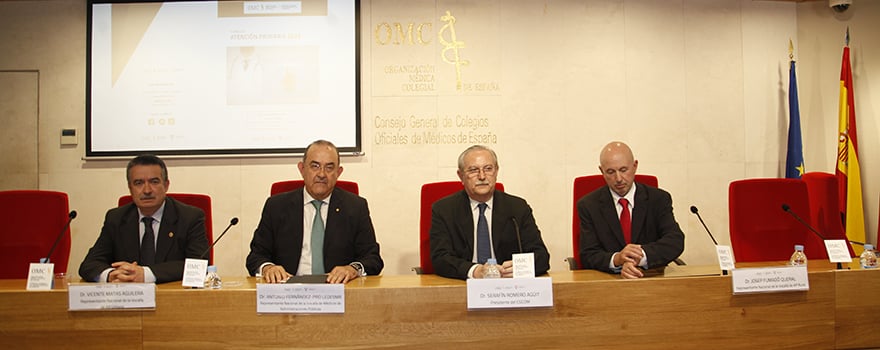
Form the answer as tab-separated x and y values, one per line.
19	98
714	125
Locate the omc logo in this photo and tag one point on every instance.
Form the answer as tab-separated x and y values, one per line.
399	34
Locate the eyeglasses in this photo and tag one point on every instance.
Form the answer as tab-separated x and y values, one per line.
316	167
473	171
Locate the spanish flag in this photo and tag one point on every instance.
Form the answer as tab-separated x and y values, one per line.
848	173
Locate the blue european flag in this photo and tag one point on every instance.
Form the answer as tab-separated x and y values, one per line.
794	160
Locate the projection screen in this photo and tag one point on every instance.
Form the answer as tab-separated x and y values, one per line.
231	78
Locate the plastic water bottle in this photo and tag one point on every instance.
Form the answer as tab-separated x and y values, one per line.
798	258
492	270
868	257
212	279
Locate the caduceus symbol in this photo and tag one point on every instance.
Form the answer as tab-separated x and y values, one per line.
453	45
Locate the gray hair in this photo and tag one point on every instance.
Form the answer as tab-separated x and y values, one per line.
476	148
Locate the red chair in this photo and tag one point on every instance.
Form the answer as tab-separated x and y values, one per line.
760	230
286	186
201	201
582	186
822	191
32	220
431	192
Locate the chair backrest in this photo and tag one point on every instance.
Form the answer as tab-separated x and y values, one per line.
201	201
431	192
582	186
290	185
31	221
760	230
822	192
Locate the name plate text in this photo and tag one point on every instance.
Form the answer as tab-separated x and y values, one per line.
770	279
110	296
300	298
506	293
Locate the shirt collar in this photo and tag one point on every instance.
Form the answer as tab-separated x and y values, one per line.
489	202
630	196
307	198
157	215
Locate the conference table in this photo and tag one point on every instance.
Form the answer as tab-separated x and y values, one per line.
679	307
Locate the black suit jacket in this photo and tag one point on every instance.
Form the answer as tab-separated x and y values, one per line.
348	233
181	235
452	233
653	226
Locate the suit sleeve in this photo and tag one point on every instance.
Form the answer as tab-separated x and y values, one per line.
446	262
670	244
100	255
366	247
592	253
262	243
195	242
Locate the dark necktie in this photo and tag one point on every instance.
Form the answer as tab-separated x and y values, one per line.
484	245
625	221
148	245
318	240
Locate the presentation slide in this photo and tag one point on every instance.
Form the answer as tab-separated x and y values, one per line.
227	77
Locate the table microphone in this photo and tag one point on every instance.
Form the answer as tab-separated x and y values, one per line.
787	209
70	217
694	210
697	213
232	222
518	238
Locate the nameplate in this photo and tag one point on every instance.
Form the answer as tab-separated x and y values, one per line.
300	298
838	250
725	257
524	265
41	276
111	296
507	293
770	279
194	272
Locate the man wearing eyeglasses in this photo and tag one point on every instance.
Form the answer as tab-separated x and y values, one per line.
315	230
478	223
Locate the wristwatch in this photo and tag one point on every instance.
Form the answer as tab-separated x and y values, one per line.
359	268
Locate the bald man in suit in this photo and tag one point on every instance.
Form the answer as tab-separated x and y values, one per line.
654	238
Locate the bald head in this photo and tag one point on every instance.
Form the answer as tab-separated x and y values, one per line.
618	166
615	149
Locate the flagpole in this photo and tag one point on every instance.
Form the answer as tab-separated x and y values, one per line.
848	169
794	157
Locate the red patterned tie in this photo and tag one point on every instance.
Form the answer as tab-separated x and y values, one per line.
625	221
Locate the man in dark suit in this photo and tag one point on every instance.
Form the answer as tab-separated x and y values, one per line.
345	248
127	250
455	222
626	227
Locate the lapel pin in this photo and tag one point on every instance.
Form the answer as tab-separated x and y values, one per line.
170	234
337	210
